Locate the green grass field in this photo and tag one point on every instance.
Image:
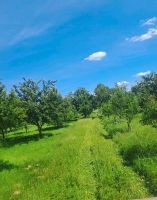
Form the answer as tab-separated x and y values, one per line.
77	162
139	150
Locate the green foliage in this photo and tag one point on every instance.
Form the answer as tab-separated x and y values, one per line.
3	111
82	101
122	105
37	103
101	94
12	114
69	111
130	108
149	115
139	150
15	112
146	88
94	114
106	109
113	126
147	168
34	96
79	162
55	109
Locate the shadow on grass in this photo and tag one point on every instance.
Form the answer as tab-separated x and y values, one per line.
22	138
51	128
105	136
139	151
111	131
9	142
5	165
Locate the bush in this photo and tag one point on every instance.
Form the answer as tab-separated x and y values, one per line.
113	126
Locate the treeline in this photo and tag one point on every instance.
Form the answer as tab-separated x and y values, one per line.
123	105
40	103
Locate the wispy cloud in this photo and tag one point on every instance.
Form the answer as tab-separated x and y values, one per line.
150	22
24	21
28	32
122	83
152	32
97	56
140	74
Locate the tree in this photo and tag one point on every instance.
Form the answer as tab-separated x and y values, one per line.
11	112
130	108
149	115
102	94
145	88
122	105
106	109
34	99
69	111
16	115
3	111
82	101
55	109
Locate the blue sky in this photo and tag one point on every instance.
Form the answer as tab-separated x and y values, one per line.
77	43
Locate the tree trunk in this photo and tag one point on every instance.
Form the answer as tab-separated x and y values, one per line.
115	119
3	134
40	131
129	126
26	129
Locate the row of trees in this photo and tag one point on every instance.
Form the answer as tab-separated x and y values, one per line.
146	92
40	103
142	98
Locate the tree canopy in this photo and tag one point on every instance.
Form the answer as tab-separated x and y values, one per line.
40	103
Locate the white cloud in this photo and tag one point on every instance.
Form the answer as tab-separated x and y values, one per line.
97	56
150	34
122	83
140	74
150	22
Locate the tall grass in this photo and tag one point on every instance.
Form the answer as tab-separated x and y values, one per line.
75	162
139	150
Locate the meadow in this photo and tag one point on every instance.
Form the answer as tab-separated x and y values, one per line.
79	162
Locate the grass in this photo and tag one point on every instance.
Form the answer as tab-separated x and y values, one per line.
139	150
74	162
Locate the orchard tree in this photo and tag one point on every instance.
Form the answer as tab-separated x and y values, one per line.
106	109
69	111
55	110
130	108
102	94
16	115
12	114
122	105
145	88
125	105
149	115
82	101
34	99
3	111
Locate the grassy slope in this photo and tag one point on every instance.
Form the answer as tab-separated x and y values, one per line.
76	163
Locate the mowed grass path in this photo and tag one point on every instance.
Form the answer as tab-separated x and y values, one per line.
75	163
